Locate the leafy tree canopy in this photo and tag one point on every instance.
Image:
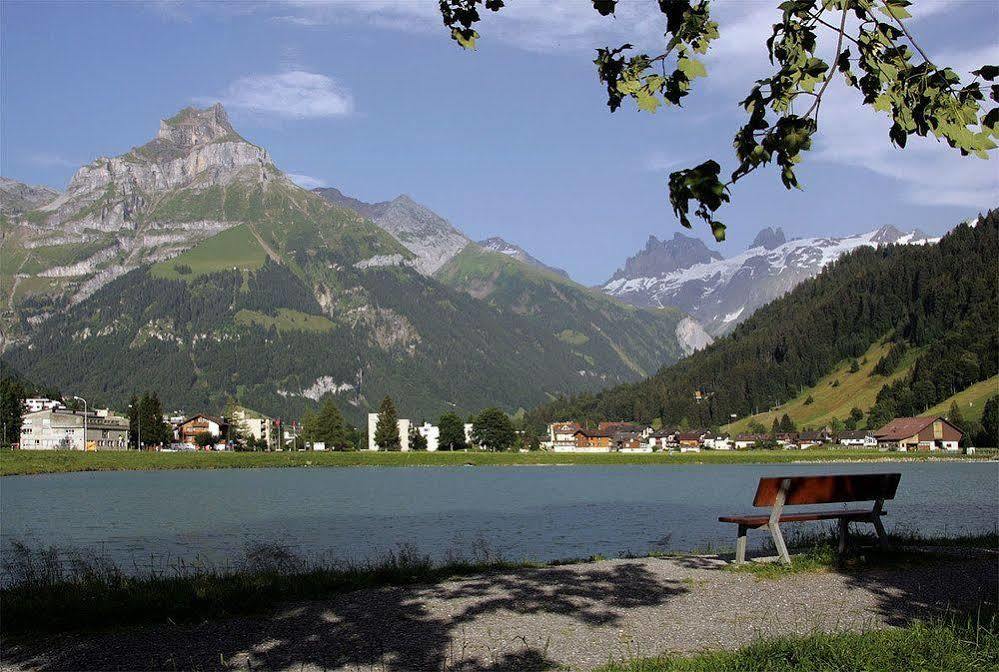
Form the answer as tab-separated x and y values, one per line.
493	430
452	432
875	53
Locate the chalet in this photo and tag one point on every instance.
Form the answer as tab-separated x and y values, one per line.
629	427
920	433
630	442
592	441
690	442
718	442
857	438
188	430
787	439
664	439
743	441
561	436
810	439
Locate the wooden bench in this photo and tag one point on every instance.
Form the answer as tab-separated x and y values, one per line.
798	490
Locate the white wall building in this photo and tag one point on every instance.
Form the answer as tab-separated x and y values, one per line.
432	434
402	424
62	429
36	404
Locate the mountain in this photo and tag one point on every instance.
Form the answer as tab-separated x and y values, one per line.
497	244
721	293
423	232
925	312
662	257
193	266
16	197
769	238
614	340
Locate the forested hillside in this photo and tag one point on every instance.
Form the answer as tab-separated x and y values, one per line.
941	299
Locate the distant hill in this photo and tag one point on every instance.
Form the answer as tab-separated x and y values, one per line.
497	244
935	304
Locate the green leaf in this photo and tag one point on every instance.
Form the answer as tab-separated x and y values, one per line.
692	68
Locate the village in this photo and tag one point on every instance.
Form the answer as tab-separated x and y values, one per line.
49	424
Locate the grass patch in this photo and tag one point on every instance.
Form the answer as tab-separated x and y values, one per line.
968	644
285	320
49	590
234	248
45	461
813	552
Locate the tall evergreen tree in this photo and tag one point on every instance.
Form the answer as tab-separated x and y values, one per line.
989	436
387	429
332	429
787	424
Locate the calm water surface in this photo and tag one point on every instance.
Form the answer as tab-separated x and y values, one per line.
539	513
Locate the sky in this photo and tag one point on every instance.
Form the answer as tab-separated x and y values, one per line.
512	139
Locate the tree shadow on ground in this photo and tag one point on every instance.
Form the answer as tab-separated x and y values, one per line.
444	626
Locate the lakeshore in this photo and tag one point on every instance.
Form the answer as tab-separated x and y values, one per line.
406	613
26	462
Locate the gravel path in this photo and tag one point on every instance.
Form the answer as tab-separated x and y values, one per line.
574	616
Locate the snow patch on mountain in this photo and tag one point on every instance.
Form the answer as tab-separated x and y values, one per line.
721	293
497	244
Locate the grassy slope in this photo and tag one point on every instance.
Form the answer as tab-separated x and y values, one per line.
233	248
971	401
858	389
285	320
595	324
42	461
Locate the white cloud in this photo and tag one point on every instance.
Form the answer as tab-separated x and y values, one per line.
306	181
49	160
659	162
928	172
295	94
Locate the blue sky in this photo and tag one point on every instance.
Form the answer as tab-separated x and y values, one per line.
513	139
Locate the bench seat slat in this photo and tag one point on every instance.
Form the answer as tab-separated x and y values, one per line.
756	520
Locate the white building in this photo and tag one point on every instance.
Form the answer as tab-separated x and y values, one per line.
858	438
468	434
561	436
718	442
402	424
257	425
432	434
62	429
36	404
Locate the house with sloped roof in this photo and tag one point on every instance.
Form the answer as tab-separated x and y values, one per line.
593	441
931	432
857	438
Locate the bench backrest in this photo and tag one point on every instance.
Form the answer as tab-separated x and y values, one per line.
828	489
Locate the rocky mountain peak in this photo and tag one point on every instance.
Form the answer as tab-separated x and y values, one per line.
17	197
192	127
660	257
769	238
886	235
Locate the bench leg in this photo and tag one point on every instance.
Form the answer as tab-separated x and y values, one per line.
880	529
844	531
740	546
779	543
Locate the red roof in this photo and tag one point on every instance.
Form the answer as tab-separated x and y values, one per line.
903	428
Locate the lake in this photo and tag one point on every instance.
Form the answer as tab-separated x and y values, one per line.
537	513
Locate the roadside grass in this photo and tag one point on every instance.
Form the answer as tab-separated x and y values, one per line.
959	644
44	461
816	551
